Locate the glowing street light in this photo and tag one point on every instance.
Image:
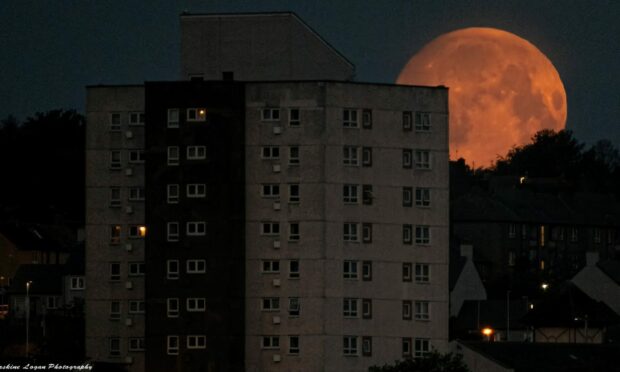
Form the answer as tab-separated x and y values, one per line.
488	331
544	286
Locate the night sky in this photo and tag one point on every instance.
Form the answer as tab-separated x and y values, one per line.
52	49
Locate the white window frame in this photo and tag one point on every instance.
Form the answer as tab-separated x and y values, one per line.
407	272
407	121
136	194
350	270
270	266
294	193
294	271
136	156
270	342
349	346
77	283
115	122
350	118
136	269
407	234
423	235
350	194
136	307
172	307
173	118
293	159
270	190
294	232
116	159
196	304
196	342
196	190
173	193
350	232
407	310
196	228
422	121
422	273
115	197
114	346
171	234
196	152
423	159
136	344
172	345
115	271
270	114
422	346
136	118
350	307
270	228
350	156
422	197
196	114
294	120
173	155
422	310
294	307
196	266
270	304
115	310
171	273
407	158
269	152
293	345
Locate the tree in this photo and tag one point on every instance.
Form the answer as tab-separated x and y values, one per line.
431	362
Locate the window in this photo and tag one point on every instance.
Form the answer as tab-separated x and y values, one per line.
115	122
406	347
407	196
574	234
115	271
136	156
406	310
407	271
136	344
136	194
271	190
293	155
196	152
115	310
196	266
195	304
349	307
422	121
367	270
271	266
293	345
407	155
422	273
512	231
367	232
597	235
196	190
115	159
422	197
367	346
367	119
349	269
512	258
293	193
172	345
196	114
270	152
137	231
421	310
367	194
270	342
367	308
407	122
172	269
77	283
52	302
349	194
422	235
422	159
136	118
115	346
349	118
270	114
172	231
350	232
293	117
172	191
172	307
271	304
173	118
407	234
115	197
350	155
115	234
196	228
270	228
196	342
366	156
293	269
293	306
422	347
173	155
349	345
136	307
136	269
293	231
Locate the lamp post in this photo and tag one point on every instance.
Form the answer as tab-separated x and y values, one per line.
28	283
507	316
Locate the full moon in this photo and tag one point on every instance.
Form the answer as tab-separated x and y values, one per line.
502	90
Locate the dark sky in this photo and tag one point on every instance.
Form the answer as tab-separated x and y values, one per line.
52	49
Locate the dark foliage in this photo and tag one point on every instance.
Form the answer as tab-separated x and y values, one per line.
432	362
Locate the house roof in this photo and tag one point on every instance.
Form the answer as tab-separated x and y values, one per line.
46	279
549	357
457	263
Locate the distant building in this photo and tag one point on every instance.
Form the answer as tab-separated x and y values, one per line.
600	280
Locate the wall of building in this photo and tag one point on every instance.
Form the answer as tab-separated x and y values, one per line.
596	284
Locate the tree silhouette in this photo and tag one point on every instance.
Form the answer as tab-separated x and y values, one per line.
431	362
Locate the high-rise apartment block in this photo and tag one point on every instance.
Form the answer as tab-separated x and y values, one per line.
272	224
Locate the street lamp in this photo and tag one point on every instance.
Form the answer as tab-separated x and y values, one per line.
28	284
544	286
488	331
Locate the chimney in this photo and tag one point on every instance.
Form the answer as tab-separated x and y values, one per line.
591	258
467	250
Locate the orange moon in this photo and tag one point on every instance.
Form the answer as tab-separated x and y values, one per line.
502	90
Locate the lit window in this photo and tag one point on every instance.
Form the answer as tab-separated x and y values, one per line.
407	196
367	270
77	283
422	197
115	346
349	270
270	114
136	118
350	232
349	307
173	155
196	190
115	159
270	152
136	156
137	231
270	304
293	269
115	122
366	156
136	307
422	159
196	114
293	306
172	193
406	310
422	121
270	228
349	194
136	344
367	119
421	310
270	342
115	271
406	272
422	235
172	269
293	193
136	269
407	234
136	194
115	310
294	117
407	122
173	118
196	228
422	273
271	266
196	342
293	157
172	307
349	118
196	304
172	231
422	347
293	345
115	197
350	155
172	345
115	234
349	345
271	190
196	266
407	158
196	152
293	231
